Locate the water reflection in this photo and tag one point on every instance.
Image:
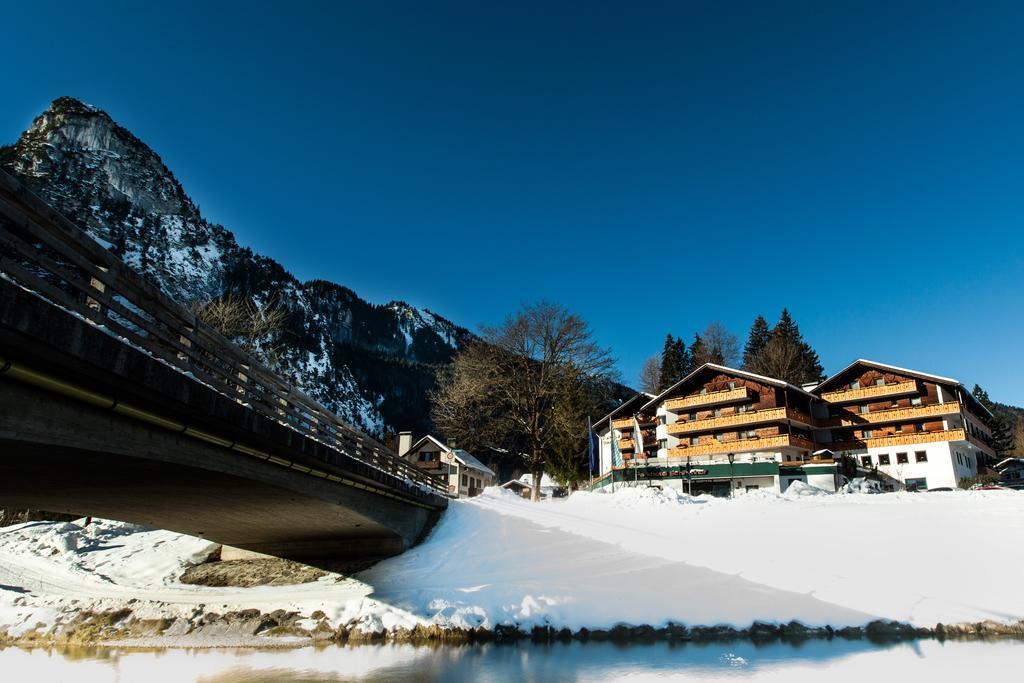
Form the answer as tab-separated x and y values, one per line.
838	660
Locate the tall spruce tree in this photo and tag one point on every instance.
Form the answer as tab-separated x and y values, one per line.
669	365
698	353
786	355
1002	441
760	333
675	362
682	359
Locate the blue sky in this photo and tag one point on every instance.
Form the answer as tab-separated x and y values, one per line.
653	166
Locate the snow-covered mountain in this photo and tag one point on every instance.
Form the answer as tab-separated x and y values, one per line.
371	364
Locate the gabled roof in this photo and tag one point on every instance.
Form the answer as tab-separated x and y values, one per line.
731	371
470	460
903	371
622	406
463	456
885	366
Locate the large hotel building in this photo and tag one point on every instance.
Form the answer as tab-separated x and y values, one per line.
725	431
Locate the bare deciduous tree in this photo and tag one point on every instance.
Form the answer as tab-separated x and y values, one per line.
254	327
778	359
526	387
721	344
650	375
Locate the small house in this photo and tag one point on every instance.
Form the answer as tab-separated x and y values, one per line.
464	474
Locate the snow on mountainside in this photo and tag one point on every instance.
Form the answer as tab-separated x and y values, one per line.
371	364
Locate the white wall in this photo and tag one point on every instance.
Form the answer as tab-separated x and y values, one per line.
941	470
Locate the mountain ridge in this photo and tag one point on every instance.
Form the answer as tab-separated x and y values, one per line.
372	364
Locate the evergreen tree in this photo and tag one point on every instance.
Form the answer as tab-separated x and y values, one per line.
675	362
760	333
786	355
698	353
669	364
1002	441
682	358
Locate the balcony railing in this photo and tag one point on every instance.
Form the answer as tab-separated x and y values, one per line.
710	398
894	414
900	440
627	423
739	419
743	446
876	391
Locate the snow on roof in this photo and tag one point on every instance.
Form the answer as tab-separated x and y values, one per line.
463	456
896	368
546	482
734	371
1008	461
469	460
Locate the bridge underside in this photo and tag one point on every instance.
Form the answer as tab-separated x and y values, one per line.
60	455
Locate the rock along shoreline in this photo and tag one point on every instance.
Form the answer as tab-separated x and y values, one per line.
280	628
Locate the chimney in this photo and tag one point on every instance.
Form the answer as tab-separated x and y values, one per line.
404	443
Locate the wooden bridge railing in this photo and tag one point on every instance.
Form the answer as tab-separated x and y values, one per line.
44	252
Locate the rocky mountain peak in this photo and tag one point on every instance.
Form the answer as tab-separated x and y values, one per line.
371	364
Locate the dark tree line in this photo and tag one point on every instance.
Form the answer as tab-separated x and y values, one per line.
780	352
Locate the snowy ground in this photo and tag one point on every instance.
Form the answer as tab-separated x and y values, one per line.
638	556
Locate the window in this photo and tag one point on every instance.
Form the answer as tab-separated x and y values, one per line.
663	443
693	416
732	385
863	409
703	390
718	437
465	480
920	426
920	456
867	433
752	434
919	484
880	382
694	440
662	419
753	487
718	412
865	461
901	459
883	459
916	401
855	384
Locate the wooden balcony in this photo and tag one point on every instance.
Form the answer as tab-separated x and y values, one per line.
737	420
709	399
429	465
894	414
899	440
627	423
629	444
809	461
864	393
743	446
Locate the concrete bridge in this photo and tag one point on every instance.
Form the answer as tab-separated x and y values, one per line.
115	401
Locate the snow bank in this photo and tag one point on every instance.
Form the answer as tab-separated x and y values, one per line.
594	560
